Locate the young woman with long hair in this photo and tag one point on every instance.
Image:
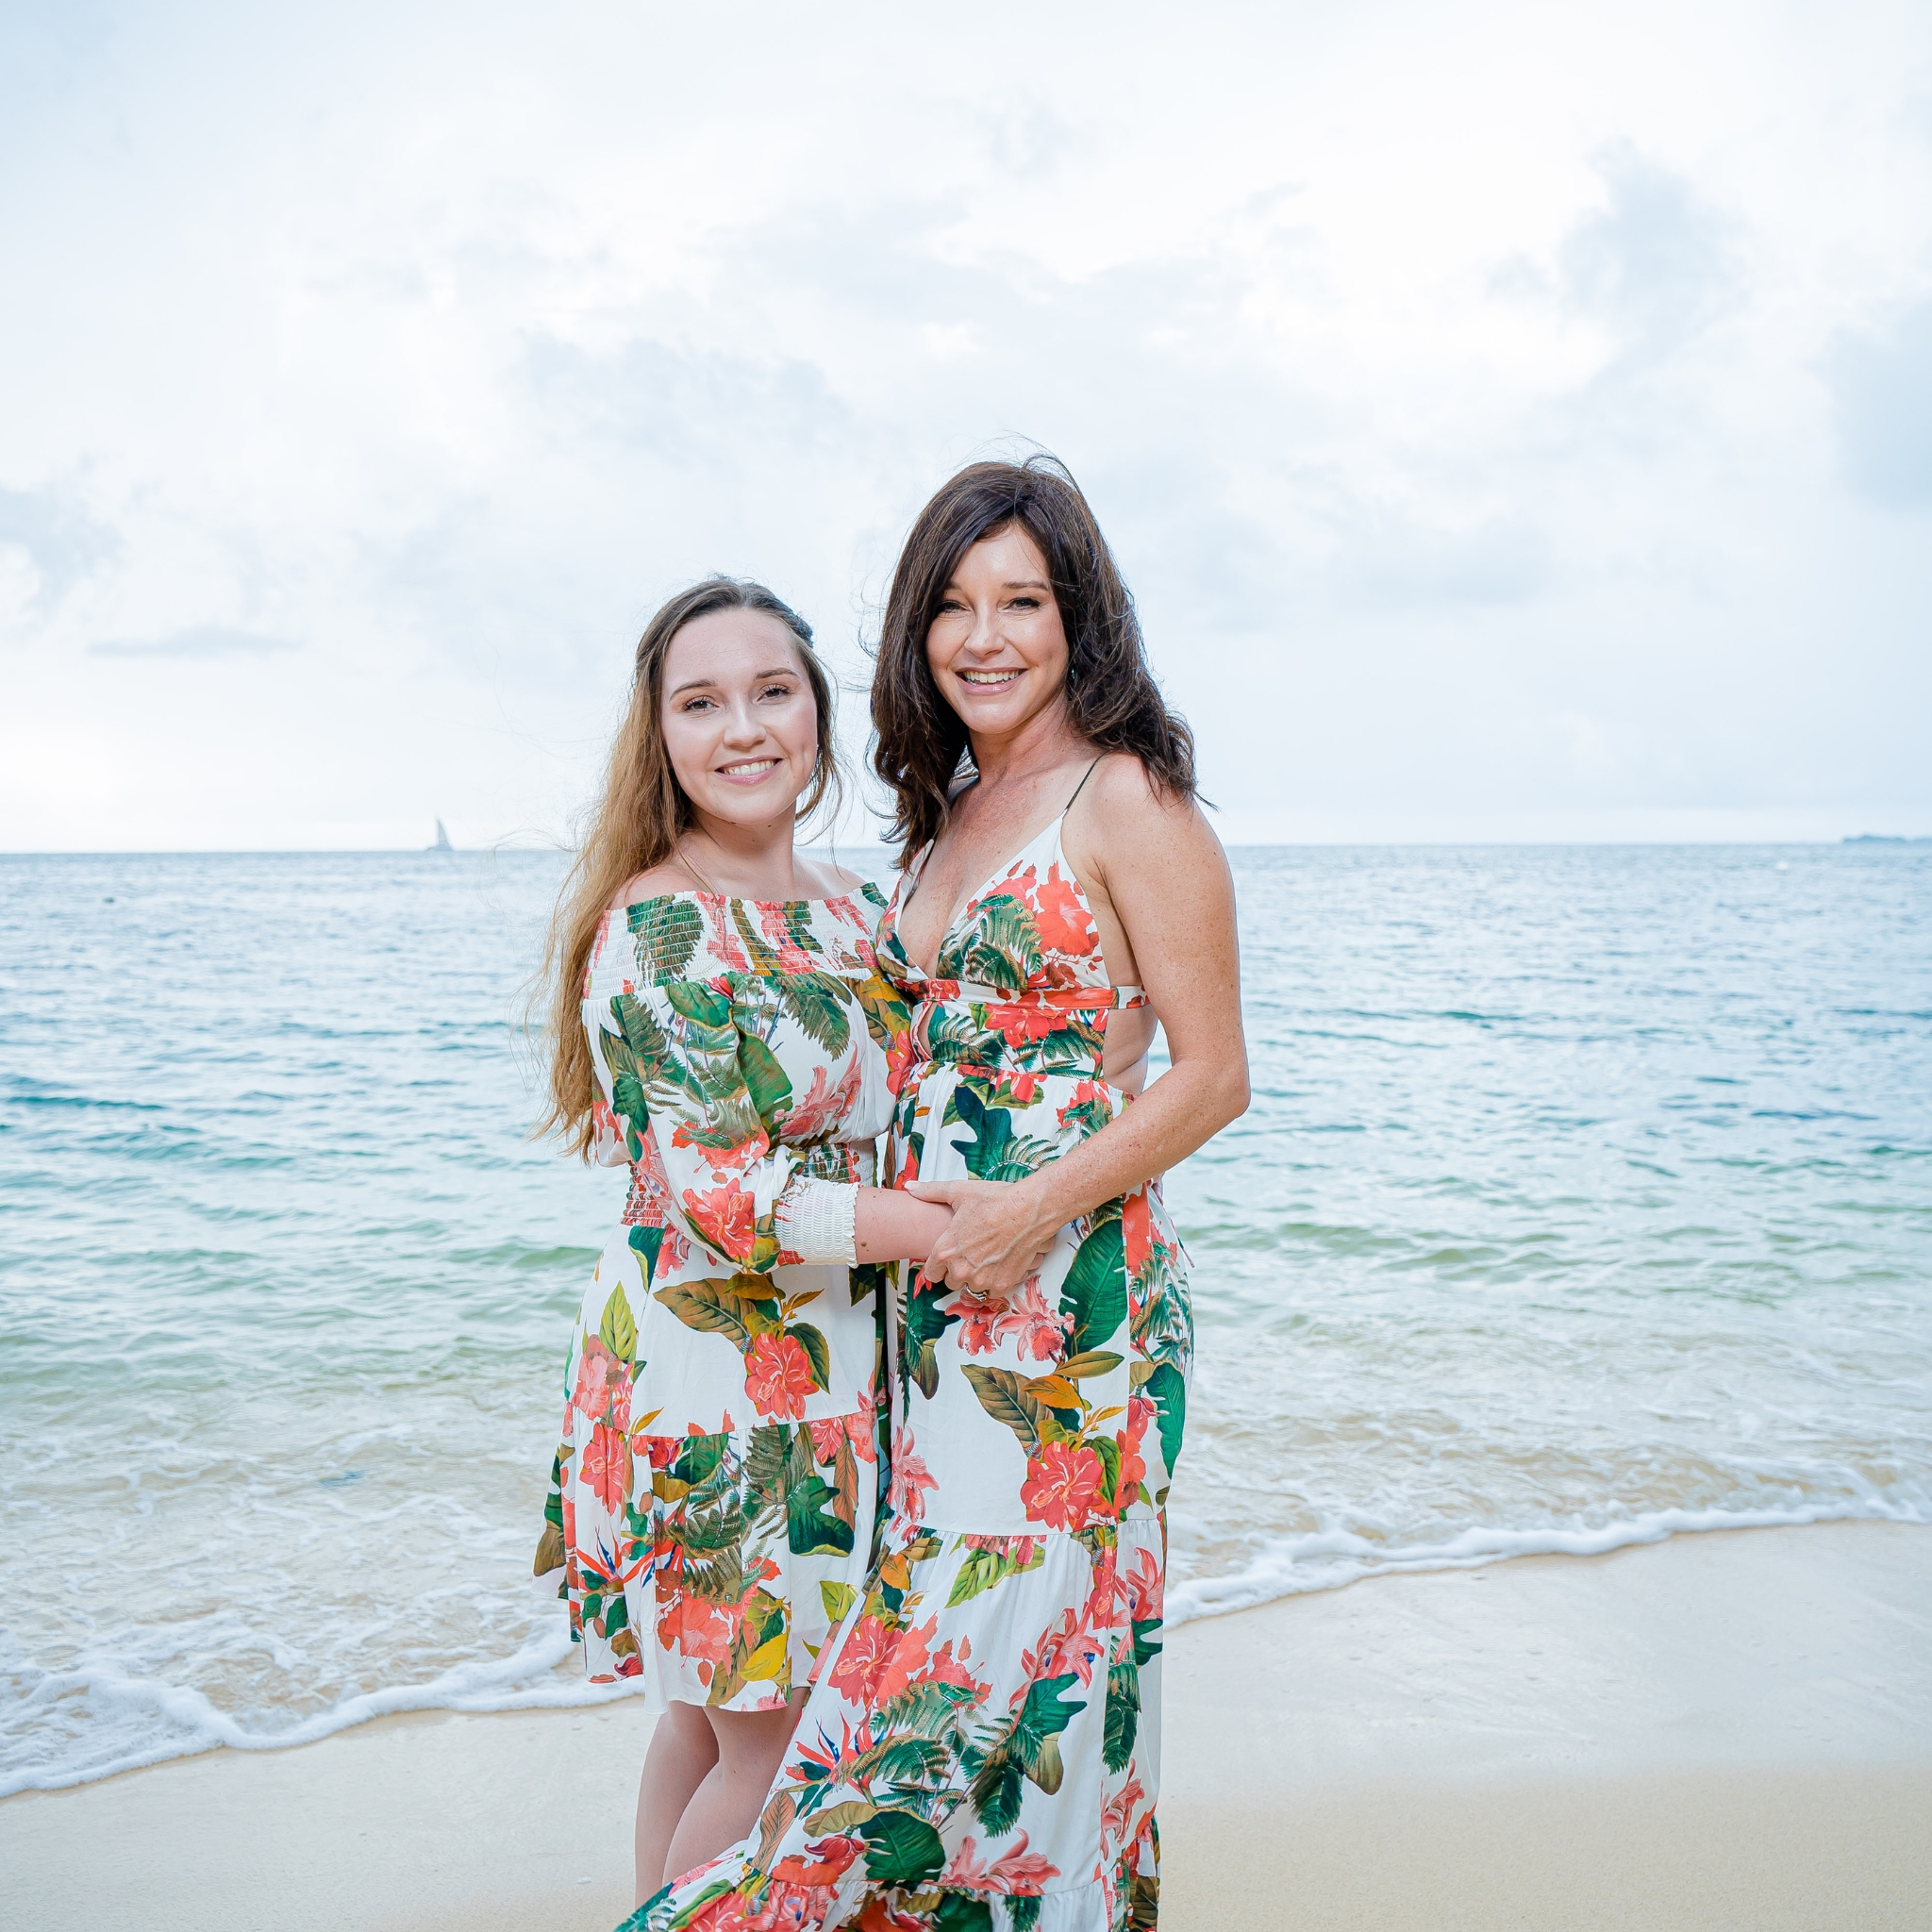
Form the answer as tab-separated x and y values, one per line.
718	1024
981	1747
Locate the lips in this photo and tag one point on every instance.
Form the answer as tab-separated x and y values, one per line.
991	680
749	768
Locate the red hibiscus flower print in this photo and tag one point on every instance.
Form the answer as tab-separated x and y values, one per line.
910	1480
1068	1644
945	1668
863	1659
879	1662
824	1862
1041	1330
606	1466
1022	1021
1118	1813
724	943
1065	925
824	1107
900	1055
1063	1482
1017	1871
1137	1231
1090	1106
726	1218
1146	1590
1133	1471
724	1914
695	1628
777	1378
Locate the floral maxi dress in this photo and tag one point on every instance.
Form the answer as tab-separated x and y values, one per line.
981	1748
718	1483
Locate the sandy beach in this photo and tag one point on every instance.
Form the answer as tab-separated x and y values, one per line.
1723	1731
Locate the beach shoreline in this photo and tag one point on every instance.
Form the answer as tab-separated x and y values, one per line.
1728	1730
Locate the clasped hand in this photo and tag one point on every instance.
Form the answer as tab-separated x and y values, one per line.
998	1236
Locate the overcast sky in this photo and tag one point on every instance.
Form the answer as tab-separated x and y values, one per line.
1515	420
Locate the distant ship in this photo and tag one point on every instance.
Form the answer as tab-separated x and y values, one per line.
443	843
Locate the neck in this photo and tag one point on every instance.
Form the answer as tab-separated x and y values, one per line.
745	861
1043	743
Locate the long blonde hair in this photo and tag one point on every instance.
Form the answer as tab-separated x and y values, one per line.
635	825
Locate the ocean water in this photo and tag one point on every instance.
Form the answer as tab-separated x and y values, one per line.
1586	1198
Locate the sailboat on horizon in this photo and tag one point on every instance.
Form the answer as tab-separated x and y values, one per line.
443	843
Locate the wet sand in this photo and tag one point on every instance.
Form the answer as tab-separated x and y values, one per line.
1729	1731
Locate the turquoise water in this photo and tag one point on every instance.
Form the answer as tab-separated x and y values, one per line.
1587	1195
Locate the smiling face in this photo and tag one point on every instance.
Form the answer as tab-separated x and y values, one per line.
740	726
996	646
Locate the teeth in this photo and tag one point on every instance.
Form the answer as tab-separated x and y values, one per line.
749	766
988	676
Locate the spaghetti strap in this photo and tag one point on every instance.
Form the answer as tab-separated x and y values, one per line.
1082	785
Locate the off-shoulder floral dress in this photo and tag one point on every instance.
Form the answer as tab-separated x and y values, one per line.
981	1746
718	1484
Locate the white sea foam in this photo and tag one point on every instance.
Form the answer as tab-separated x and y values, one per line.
1331	1558
132	1721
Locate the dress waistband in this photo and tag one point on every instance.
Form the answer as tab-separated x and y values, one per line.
1032	1032
1066	999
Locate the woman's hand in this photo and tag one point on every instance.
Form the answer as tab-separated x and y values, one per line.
998	1235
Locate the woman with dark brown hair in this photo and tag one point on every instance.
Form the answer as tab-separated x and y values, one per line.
980	1749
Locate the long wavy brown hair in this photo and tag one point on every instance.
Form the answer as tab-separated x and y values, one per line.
1112	700
635	825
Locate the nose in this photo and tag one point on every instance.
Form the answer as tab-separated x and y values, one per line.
985	639
744	727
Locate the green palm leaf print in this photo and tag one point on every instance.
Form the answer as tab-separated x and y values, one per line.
1000	945
1095	1290
817	1001
667	932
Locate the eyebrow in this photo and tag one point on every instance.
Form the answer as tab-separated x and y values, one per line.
706	683
1012	584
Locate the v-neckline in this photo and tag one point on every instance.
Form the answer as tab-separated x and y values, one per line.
993	878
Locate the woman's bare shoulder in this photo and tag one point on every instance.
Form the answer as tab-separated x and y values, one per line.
659	883
831	880
1131	808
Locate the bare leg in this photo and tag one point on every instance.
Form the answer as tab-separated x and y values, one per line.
683	1751
722	1809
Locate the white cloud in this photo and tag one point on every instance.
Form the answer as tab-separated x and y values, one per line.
1504	414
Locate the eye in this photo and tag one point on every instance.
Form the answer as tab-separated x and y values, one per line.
776	690
949	604
1025	602
696	704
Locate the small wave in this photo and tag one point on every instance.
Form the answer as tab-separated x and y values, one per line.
148	1721
1329	1558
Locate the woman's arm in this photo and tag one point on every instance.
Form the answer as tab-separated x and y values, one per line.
893	1226
1168	879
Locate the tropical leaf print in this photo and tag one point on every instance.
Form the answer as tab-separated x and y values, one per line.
991	1561
765	1080
1167	1389
709	1307
1005	1396
798	927
818	1002
627	1099
998	945
1094	1292
926	1319
667	932
618	1331
887	1015
995	1153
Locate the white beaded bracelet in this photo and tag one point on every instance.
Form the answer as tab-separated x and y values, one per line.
818	1221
